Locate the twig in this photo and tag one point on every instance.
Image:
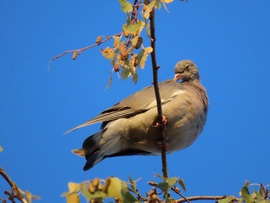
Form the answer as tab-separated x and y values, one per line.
193	198
178	192
155	83
82	49
15	190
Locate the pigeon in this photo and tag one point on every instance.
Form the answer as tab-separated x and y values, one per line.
129	128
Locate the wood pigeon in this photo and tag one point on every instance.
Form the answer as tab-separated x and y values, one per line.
128	127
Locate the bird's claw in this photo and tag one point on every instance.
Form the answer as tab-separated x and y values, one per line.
161	124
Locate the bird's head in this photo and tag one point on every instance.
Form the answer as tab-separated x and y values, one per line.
186	70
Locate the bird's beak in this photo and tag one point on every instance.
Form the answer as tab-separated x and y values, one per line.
177	76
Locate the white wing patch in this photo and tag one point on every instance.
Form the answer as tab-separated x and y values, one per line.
154	103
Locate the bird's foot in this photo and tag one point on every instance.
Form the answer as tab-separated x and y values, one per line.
163	145
161	124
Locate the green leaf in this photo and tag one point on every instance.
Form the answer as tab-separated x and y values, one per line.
110	80
126	195
225	200
135	77
142	56
133	184
182	184
125	73
126	6
246	195
134	29
167	184
95	195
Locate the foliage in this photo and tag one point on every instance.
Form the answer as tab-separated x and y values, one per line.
97	191
128	51
15	192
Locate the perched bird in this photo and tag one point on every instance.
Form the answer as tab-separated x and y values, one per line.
128	127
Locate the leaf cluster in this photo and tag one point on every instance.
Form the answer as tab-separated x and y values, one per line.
98	190
128	51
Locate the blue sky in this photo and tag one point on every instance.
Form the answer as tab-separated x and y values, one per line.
228	40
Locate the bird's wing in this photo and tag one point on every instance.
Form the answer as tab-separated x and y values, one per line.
138	102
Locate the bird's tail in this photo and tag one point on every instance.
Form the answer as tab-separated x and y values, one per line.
99	146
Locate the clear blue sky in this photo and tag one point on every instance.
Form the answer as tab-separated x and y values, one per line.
228	40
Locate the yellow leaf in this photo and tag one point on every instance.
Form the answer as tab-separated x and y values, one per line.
125	6
134	41
28	196
132	64
116	41
148	49
108	53
114	189
74	187
1	149
142	56
73	198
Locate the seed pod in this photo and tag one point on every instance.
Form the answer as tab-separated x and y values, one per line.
75	54
99	187
125	33
91	188
136	61
95	182
106	185
139	43
116	67
98	39
117	200
154	196
177	189
144	8
122	50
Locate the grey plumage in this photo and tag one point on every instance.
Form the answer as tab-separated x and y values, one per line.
128	129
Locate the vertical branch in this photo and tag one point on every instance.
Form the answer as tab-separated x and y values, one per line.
157	93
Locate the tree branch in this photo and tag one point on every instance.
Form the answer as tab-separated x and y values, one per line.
157	93
193	198
15	190
82	49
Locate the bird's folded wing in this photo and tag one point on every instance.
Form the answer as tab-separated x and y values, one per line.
137	103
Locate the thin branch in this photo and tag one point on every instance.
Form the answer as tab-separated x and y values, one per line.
193	198
5	176
178	192
157	93
14	188
82	49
